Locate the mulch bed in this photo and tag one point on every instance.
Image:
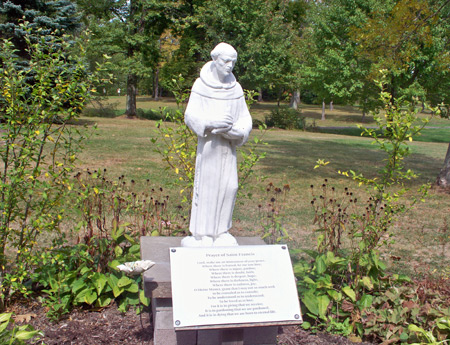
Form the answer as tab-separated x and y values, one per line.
109	326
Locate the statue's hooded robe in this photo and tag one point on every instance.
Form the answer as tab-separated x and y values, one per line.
216	180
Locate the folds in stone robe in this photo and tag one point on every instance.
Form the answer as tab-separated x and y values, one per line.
216	180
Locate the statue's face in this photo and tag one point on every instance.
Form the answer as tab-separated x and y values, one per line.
225	64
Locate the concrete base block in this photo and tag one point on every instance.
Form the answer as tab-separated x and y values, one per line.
186	337
157	284
164	336
261	335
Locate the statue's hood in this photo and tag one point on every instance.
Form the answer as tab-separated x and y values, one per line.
210	87
206	75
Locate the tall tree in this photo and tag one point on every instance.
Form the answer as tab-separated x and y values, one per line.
129	32
409	39
333	69
259	30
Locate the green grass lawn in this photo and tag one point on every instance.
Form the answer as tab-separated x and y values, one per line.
123	146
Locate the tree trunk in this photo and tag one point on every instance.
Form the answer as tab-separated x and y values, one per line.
443	178
156	85
260	95
295	99
131	95
331	106
323	109
131	78
279	94
364	107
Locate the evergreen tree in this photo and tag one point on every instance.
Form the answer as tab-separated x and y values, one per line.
47	16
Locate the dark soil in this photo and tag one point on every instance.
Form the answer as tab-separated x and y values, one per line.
109	326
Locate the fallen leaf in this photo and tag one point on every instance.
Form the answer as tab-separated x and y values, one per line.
24	317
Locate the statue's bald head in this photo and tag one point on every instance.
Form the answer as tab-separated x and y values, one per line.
223	49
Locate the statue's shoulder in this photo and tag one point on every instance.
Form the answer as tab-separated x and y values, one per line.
238	89
198	84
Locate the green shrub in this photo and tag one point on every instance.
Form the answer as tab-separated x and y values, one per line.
16	335
345	287
38	148
285	118
76	275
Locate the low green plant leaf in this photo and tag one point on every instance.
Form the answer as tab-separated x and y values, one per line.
336	296
322	302
311	302
78	285
103	301
367	282
100	282
365	301
443	323
113	264
321	265
309	281
124	281
90	297
144	299
404	337
133	288
118	251
26	335
5	317
349	292
306	325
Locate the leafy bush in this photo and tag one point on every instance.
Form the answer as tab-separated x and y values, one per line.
376	307
16	335
345	288
285	118
164	114
75	276
38	147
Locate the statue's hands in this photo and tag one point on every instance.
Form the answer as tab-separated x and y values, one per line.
221	126
233	133
221	130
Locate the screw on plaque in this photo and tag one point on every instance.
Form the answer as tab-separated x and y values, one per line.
283	247
296	316
173	250
177	323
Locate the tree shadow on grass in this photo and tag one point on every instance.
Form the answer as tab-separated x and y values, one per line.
339	117
296	158
81	122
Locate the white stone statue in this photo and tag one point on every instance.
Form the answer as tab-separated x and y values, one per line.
218	115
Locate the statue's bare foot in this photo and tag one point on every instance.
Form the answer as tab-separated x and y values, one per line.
194	242
225	240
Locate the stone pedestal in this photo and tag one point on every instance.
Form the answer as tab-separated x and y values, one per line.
157	286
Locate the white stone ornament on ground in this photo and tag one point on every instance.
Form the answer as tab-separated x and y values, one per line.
136	267
218	115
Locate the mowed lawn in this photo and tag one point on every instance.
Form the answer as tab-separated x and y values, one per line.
421	236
